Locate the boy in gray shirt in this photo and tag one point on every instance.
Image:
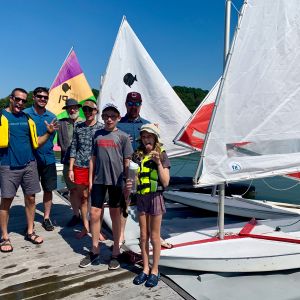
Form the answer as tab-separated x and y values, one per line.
112	151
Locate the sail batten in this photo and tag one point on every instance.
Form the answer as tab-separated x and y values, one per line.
256	129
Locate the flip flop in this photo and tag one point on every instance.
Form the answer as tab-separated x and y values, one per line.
32	237
165	244
6	242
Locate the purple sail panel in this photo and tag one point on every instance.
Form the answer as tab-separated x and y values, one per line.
69	69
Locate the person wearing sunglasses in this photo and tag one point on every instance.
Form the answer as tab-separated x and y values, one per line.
44	155
80	155
131	123
18	140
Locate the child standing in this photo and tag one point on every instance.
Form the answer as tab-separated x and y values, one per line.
109	163
153	177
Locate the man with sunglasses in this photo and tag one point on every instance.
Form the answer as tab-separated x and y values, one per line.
131	123
44	155
17	163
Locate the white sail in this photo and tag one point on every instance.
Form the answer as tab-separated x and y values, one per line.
256	128
161	104
193	132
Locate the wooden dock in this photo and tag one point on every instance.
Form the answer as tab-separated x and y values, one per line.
50	270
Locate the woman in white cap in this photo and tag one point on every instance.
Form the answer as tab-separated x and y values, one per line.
153	177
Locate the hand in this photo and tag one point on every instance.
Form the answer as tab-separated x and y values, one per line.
155	157
127	189
52	126
71	175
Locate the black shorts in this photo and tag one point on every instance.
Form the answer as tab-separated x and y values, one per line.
48	177
115	195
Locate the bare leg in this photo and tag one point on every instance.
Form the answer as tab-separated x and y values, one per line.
123	225
4	217
144	241
47	200
116	228
102	237
155	224
83	194
95	228
30	212
74	201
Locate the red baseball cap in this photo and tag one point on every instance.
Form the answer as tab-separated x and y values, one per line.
134	96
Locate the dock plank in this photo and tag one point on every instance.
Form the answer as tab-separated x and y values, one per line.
50	270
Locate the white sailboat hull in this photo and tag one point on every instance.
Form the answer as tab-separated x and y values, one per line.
236	205
203	252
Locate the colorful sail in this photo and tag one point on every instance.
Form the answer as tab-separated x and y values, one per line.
131	69
255	131
192	134
70	82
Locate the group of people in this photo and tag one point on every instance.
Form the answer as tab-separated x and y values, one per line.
96	158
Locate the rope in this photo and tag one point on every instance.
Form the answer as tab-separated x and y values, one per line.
280	189
278	228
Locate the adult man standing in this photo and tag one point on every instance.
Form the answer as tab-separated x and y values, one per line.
131	123
44	155
18	139
64	139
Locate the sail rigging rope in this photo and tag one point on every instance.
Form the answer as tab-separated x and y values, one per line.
280	189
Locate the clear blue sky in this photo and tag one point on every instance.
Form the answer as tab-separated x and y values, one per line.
184	38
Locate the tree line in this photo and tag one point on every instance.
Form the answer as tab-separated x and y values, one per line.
191	97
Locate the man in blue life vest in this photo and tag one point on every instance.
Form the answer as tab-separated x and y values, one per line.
44	155
18	139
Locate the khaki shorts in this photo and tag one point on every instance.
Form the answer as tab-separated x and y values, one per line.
27	178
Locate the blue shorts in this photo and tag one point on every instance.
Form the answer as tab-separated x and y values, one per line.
98	195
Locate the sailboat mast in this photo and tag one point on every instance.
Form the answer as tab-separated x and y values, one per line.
226	50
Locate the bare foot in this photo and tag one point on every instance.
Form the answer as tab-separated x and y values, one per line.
81	234
102	237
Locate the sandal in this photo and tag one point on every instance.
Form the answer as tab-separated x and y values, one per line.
6	242
165	244
32	237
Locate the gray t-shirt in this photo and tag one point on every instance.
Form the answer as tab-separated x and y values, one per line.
110	149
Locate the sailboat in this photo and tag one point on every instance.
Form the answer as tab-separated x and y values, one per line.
131	69
254	132
192	136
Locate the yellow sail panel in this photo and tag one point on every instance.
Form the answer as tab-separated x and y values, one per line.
76	88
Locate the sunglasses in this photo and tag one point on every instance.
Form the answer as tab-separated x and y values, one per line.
131	103
106	117
42	97
87	109
18	99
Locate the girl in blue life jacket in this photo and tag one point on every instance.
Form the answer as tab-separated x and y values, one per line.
153	177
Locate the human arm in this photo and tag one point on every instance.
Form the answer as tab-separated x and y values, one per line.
50	130
91	171
163	171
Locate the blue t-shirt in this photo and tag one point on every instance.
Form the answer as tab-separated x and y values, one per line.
19	152
44	154
132	128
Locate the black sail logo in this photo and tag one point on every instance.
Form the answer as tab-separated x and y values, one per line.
129	79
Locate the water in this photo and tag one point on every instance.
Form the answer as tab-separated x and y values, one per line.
277	189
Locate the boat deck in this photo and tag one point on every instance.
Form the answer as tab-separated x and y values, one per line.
50	270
